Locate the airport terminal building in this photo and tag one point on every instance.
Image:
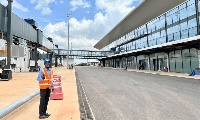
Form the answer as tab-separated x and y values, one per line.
157	34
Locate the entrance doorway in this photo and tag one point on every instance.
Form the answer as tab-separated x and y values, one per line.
158	64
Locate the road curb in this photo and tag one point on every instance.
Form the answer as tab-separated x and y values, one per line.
86	112
15	105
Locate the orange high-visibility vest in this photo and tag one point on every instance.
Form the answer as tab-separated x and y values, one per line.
46	83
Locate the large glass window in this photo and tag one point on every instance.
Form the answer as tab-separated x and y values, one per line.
170	37
192	27
133	46
183	11
172	61
184	30
177	36
191	8
186	63
163	39
159	41
194	58
199	5
150	40
178	58
161	23
169	20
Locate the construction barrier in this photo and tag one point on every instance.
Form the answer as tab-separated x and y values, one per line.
57	94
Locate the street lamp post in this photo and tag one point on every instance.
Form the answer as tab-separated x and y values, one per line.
71	46
68	15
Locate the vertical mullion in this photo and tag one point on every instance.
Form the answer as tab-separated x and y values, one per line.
197	15
166	27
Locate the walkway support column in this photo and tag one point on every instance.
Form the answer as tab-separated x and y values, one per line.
168	62
61	60
9	33
136	62
113	60
103	63
115	63
149	62
35	56
56	61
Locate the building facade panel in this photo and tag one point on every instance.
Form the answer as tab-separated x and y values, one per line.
169	33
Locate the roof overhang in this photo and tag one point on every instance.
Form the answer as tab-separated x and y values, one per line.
146	11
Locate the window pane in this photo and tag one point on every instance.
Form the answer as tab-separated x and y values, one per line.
190	2
170	37
194	63
183	14
177	36
176	17
191	10
192	23
179	65
163	33
163	39
192	31
169	20
158	41
154	42
172	64
184	26
186	65
184	34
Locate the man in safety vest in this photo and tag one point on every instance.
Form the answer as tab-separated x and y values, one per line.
45	82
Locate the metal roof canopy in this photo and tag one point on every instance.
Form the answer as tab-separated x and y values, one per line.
146	11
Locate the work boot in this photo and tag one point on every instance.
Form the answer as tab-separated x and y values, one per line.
43	116
47	114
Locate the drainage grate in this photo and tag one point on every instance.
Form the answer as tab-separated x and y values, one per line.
85	110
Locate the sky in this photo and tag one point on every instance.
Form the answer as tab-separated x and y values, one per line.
89	22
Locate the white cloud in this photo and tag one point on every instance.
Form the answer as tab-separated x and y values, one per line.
86	33
4	2
61	2
43	5
15	5
19	6
33	1
79	3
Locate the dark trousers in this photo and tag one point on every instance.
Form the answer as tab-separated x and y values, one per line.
44	99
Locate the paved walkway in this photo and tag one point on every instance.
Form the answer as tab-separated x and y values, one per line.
26	83
184	75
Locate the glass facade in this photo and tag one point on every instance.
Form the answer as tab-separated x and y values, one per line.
179	23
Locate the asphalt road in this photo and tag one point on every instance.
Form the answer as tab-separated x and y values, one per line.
126	95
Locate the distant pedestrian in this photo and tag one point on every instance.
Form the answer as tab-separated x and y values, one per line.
72	66
3	63
142	67
45	81
139	67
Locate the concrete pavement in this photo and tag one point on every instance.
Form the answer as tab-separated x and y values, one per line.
23	84
134	95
